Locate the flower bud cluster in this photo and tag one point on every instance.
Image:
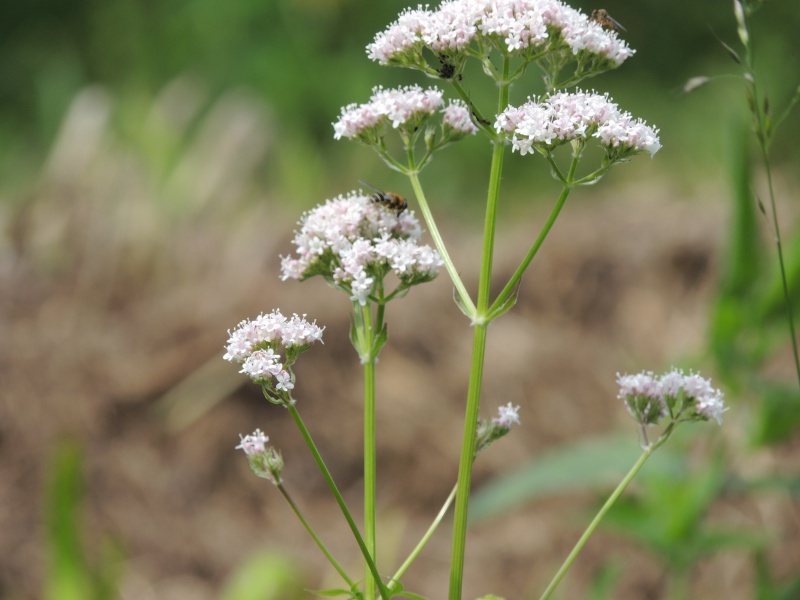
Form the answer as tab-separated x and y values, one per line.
266	462
542	124
529	27
407	108
354	242
257	345
675	395
490	430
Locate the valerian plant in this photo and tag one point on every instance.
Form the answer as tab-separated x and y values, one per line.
371	249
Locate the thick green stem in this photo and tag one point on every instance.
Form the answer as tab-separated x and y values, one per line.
465	465
315	537
369	451
596	521
478	351
339	500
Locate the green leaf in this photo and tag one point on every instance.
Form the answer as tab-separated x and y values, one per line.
587	465
68	576
264	576
777	416
603	582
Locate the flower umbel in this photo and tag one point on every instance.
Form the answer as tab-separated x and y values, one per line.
354	243
542	124
674	394
257	345
408	108
530	29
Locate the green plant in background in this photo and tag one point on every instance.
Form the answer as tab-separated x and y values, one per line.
70	574
368	245
756	302
263	576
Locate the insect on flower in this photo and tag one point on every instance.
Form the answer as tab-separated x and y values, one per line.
601	16
389	200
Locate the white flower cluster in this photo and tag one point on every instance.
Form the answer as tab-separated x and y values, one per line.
255	344
407	107
353	241
650	398
457	117
519	24
563	117
399	106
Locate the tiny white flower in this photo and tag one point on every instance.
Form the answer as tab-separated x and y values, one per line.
254	443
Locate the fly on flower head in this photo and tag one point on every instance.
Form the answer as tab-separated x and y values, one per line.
389	200
606	20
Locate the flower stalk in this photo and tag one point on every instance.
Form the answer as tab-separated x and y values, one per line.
480	323
373	569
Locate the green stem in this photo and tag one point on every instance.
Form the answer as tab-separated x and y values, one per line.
369	451
517	276
786	295
478	352
414	553
314	536
461	290
339	500
596	521
764	140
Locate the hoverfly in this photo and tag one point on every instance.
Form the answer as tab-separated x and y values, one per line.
601	16
389	200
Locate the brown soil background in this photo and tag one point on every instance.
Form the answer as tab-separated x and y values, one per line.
114	317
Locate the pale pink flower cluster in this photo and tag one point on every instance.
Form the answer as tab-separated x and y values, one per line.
507	416
457	117
266	462
254	443
352	240
255	344
399	106
565	116
695	392
519	24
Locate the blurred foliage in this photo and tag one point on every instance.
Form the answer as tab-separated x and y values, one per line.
585	466
304	59
264	576
70	574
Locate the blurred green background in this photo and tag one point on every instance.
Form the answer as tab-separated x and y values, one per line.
304	59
